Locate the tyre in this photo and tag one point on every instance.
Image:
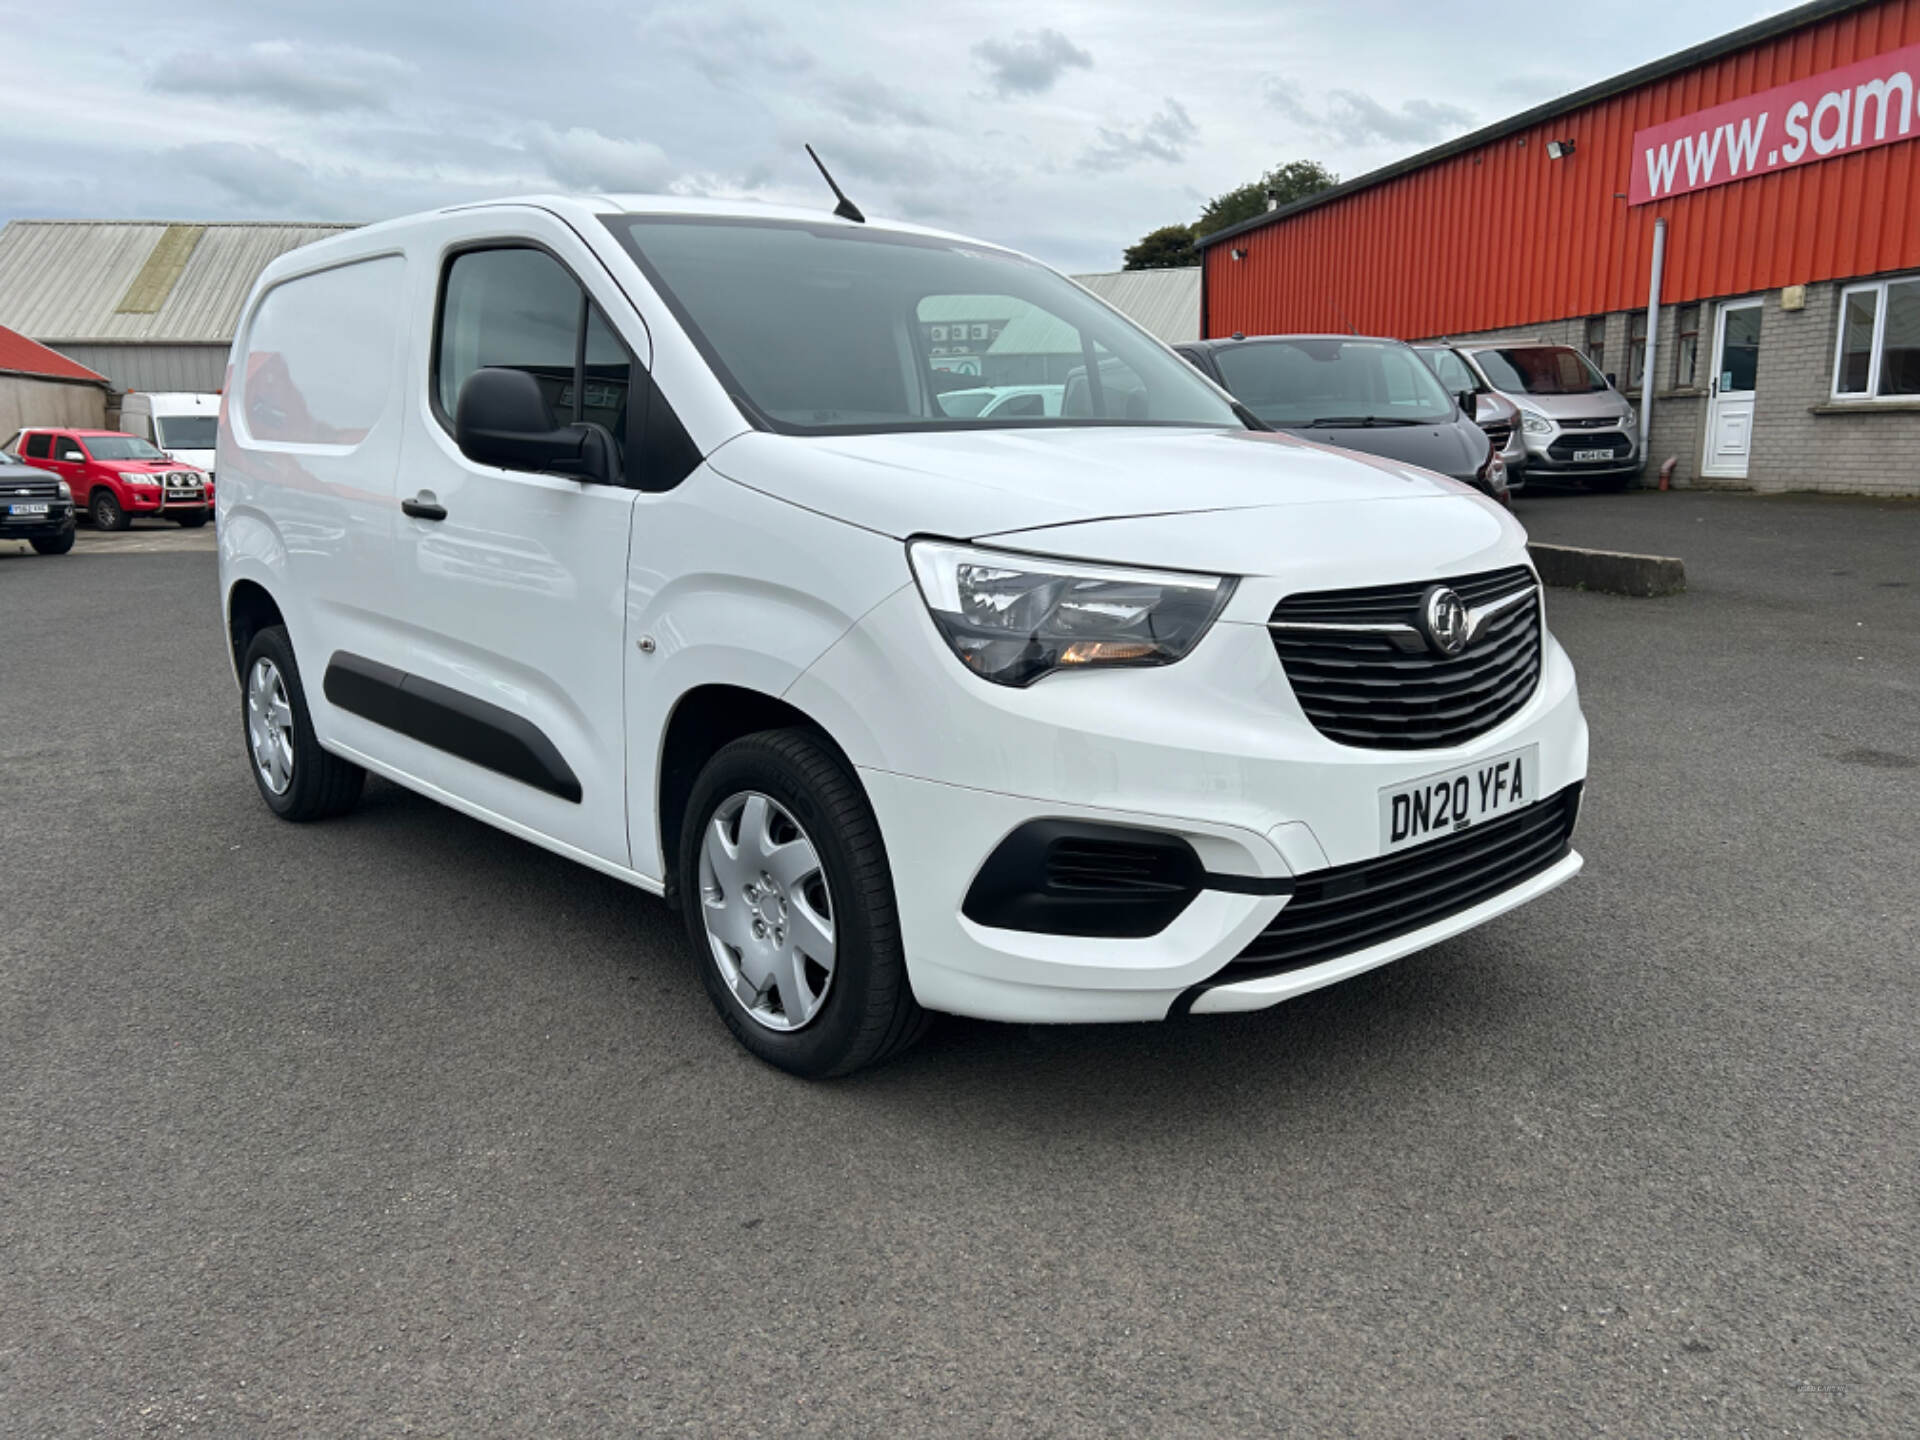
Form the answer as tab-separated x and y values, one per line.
297	779
106	511
789	903
192	520
54	544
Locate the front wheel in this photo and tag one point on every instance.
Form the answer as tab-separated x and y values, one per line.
106	511
297	779
789	903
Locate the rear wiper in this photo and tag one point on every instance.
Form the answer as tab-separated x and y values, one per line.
1358	422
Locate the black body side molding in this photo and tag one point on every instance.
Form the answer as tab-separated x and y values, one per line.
436	715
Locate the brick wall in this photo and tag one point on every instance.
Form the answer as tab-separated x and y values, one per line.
1798	442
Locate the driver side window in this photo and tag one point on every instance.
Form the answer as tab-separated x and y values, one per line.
518	308
68	448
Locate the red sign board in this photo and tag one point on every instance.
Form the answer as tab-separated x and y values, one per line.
1824	116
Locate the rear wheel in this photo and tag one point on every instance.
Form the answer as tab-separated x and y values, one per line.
789	903
297	779
106	511
54	544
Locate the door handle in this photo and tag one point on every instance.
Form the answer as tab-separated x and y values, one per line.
423	509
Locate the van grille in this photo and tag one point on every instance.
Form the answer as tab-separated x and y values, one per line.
1384	689
1499	433
1350	907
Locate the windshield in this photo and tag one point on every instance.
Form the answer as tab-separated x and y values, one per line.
120	447
1333	381
832	329
187	432
1541	370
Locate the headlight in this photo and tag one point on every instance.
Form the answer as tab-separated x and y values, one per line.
66	491
1014	618
1534	423
137	477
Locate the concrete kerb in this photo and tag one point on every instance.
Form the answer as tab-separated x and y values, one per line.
1612	571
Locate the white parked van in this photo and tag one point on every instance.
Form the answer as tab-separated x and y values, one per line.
635	527
181	423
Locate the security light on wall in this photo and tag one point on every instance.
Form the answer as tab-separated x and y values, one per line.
1238	252
1559	149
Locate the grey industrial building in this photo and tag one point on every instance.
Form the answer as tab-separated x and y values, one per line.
150	304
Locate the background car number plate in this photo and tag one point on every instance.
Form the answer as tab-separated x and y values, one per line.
37	509
1438	805
1593	455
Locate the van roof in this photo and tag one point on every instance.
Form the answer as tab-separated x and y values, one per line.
584	207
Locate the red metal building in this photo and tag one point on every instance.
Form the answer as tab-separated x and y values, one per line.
1781	158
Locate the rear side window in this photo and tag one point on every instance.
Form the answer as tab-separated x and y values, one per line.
319	366
38	447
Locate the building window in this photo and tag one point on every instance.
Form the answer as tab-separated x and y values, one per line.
1686	345
1597	342
1878	356
1636	348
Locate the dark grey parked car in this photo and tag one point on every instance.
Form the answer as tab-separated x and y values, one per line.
35	506
1358	392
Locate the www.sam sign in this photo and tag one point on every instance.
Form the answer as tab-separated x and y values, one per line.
1853	108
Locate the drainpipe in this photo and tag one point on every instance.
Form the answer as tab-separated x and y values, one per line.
1653	334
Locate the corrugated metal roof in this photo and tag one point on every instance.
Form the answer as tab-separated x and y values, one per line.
21	356
1165	302
67	279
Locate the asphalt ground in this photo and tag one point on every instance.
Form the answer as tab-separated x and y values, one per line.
396	1125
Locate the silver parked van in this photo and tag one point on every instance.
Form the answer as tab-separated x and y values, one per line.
1575	425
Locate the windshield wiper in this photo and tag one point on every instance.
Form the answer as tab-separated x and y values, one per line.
1360	422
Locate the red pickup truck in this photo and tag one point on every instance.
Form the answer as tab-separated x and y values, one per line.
115	477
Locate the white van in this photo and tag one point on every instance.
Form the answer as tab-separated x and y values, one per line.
181	423
635	528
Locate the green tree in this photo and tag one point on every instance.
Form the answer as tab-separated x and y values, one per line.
1167	248
1290	182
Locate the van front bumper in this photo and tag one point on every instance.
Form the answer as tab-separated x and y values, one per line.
1213	753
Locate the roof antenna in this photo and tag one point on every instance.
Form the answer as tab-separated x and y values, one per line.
846	209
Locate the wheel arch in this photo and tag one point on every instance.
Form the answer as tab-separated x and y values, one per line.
251	608
704	720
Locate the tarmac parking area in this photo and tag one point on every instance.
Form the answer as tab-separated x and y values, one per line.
399	1125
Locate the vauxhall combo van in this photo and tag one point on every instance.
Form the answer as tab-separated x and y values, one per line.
638	528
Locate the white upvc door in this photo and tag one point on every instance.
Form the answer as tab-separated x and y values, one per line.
1730	387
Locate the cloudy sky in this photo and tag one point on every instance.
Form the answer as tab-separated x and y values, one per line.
1066	129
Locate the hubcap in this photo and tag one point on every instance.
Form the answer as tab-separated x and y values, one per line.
769	917
270	726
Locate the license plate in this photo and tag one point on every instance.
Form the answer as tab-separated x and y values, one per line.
1593	454
39	509
1437	805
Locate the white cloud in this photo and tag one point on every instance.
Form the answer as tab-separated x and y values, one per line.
1031	62
316	79
582	159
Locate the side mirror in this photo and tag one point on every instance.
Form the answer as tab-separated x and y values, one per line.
1469	404
1611	380
503	419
